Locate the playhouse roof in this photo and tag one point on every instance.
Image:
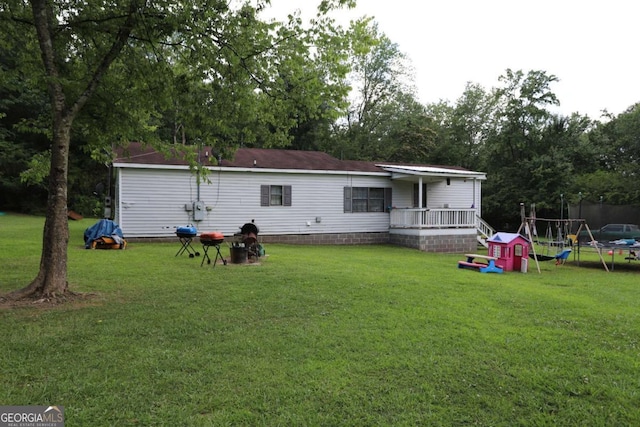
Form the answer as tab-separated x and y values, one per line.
502	237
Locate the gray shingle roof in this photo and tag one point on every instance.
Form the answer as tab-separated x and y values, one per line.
137	153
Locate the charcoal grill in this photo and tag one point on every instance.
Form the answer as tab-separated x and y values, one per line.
246	242
248	237
186	236
212	239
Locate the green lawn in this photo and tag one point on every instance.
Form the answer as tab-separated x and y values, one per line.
369	335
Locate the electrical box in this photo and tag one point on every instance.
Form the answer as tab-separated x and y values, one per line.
198	210
107	207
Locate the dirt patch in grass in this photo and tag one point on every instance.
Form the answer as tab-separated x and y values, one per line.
67	300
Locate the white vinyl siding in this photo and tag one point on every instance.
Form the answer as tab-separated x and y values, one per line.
459	194
151	202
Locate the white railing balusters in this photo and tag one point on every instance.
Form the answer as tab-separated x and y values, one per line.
433	218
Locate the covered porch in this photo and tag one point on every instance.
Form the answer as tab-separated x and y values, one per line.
427	218
437	209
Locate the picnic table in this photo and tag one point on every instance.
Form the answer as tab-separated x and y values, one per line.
474	261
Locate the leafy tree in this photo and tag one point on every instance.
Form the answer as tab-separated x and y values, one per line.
380	95
512	152
111	71
463	128
622	135
607	159
521	114
408	130
311	69
551	168
22	109
613	187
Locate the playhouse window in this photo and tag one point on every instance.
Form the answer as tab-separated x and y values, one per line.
496	251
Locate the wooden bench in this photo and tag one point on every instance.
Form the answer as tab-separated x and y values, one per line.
462	264
471	257
490	267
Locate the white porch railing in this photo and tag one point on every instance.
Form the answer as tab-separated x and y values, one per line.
485	231
433	218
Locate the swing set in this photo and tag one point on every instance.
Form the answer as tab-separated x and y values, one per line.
557	238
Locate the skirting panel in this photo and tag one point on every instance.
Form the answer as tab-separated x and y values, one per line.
327	239
437	243
459	243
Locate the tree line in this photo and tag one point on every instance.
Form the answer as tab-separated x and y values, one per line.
77	79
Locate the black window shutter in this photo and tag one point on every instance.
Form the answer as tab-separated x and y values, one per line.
347	199
287	195
387	199
265	194
415	196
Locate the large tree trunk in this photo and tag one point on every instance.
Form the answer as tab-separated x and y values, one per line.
51	280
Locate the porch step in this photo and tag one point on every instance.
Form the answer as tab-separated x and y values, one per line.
485	231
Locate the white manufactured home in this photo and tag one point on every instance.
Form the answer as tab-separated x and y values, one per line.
299	197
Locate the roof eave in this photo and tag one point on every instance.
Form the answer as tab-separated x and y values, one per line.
400	172
248	170
463	174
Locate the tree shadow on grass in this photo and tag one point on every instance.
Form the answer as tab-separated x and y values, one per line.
621	265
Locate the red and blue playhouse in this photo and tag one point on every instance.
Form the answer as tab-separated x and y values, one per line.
507	252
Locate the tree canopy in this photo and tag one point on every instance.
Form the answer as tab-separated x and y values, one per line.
78	78
206	71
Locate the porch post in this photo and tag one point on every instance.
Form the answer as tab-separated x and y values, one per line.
473	204
476	197
420	192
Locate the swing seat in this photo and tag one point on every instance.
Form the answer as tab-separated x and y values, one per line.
541	257
561	258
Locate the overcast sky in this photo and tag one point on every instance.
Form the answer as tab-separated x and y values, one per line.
592	46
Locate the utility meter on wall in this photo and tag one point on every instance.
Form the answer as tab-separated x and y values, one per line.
198	210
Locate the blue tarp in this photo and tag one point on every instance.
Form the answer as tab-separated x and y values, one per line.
103	228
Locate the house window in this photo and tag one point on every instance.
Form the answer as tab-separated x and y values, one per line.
275	195
366	199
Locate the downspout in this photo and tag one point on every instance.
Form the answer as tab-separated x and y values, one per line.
198	174
198	184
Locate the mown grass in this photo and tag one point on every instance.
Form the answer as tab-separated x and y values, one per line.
371	335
